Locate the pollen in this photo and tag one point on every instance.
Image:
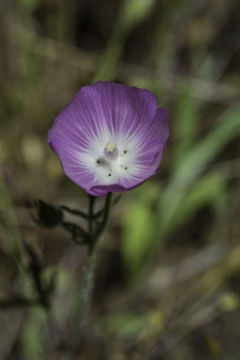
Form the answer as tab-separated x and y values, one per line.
111	151
111	146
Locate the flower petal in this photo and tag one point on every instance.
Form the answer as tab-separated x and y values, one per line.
155	141
127	110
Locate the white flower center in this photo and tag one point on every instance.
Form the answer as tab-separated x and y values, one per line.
112	159
113	162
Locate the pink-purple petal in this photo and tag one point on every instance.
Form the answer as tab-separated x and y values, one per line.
127	109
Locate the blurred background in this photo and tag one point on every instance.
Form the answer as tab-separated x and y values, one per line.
167	280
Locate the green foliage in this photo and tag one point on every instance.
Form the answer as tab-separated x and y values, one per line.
185	193
183	206
29	5
10	236
32	335
185	127
139	222
197	159
136	10
125	324
191	166
131	13
134	324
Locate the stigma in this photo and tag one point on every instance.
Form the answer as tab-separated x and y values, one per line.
111	151
111	146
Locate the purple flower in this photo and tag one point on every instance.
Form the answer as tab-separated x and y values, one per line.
110	137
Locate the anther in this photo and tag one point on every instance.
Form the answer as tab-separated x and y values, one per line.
101	161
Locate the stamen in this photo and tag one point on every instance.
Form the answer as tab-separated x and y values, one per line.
101	161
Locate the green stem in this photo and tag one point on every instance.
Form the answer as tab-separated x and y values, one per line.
90	215
93	216
81	213
103	223
75	212
86	287
80	310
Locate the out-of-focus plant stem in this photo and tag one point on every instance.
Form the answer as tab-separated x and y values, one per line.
82	303
88	275
102	225
90	214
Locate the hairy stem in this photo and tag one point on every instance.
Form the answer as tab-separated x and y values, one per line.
80	311
103	223
90	214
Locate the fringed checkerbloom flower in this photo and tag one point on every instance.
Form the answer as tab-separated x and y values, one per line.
110	138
